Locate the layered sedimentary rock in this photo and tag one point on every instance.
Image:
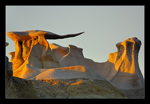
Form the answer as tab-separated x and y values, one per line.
122	63
127	66
34	55
61	88
60	84
35	59
129	77
121	68
32	49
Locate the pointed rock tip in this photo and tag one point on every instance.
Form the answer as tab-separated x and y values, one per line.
74	47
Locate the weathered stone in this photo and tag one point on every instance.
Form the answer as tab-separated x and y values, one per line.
62	88
32	48
121	68
35	59
19	88
26	35
58	50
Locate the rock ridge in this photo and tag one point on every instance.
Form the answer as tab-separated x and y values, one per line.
65	69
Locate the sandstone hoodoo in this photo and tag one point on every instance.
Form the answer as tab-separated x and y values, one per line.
54	71
32	49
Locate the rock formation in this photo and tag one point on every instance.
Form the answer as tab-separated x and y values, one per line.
58	85
61	88
35	59
32	49
121	68
58	50
26	35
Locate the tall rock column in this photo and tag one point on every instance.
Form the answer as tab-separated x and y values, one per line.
128	74
18	60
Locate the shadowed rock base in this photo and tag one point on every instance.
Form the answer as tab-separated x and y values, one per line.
62	88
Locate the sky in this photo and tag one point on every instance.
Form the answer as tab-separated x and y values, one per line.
104	26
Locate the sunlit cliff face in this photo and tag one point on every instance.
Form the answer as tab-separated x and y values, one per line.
127	53
124	63
59	51
25	40
23	48
32	57
26	35
125	59
112	57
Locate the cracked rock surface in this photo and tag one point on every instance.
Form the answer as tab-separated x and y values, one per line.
61	88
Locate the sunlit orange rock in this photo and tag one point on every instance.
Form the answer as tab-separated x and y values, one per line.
32	49
39	57
122	63
12	56
58	50
26	40
26	35
26	45
128	72
35	59
17	60
121	68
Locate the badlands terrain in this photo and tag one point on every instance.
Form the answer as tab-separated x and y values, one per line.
42	70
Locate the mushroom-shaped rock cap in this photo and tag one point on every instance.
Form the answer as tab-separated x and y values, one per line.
25	35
